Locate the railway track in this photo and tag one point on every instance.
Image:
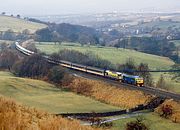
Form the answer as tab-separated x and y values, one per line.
149	90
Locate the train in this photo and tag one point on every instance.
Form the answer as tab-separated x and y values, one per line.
118	76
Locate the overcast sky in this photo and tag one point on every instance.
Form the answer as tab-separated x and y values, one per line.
43	7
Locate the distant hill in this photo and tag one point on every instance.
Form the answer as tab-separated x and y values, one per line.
68	32
18	25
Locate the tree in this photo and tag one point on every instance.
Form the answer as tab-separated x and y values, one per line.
7	59
56	74
161	82
18	16
128	67
145	74
33	66
9	35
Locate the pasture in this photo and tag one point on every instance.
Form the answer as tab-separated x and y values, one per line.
119	56
18	25
114	55
45	96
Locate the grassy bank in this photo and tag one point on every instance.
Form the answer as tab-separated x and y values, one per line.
45	96
18	117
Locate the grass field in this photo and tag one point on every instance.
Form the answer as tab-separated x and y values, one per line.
18	25
152	120
119	56
116	56
45	96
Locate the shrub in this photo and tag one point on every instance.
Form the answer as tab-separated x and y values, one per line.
166	110
33	66
56	74
136	125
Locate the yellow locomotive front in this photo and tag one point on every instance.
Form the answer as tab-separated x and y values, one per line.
139	81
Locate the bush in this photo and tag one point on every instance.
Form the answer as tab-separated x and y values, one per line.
88	58
56	74
166	111
81	87
136	125
162	83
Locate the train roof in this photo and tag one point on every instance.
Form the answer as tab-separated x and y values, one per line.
132	76
113	72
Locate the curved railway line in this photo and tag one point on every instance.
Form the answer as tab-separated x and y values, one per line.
161	95
91	74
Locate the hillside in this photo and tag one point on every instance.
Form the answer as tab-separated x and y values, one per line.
45	96
18	25
119	56
14	116
116	56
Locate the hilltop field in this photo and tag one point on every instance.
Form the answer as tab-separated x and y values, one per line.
18	25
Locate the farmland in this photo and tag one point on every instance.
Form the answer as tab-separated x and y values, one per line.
116	56
18	25
45	96
119	56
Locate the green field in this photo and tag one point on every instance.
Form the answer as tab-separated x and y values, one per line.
119	56
116	56
45	96
18	25
152	120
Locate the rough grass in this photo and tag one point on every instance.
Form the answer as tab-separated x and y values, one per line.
18	25
175	117
17	117
152	120
116	56
45	96
109	94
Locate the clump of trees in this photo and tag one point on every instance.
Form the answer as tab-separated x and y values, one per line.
12	36
8	58
68	32
32	66
88	58
150	45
